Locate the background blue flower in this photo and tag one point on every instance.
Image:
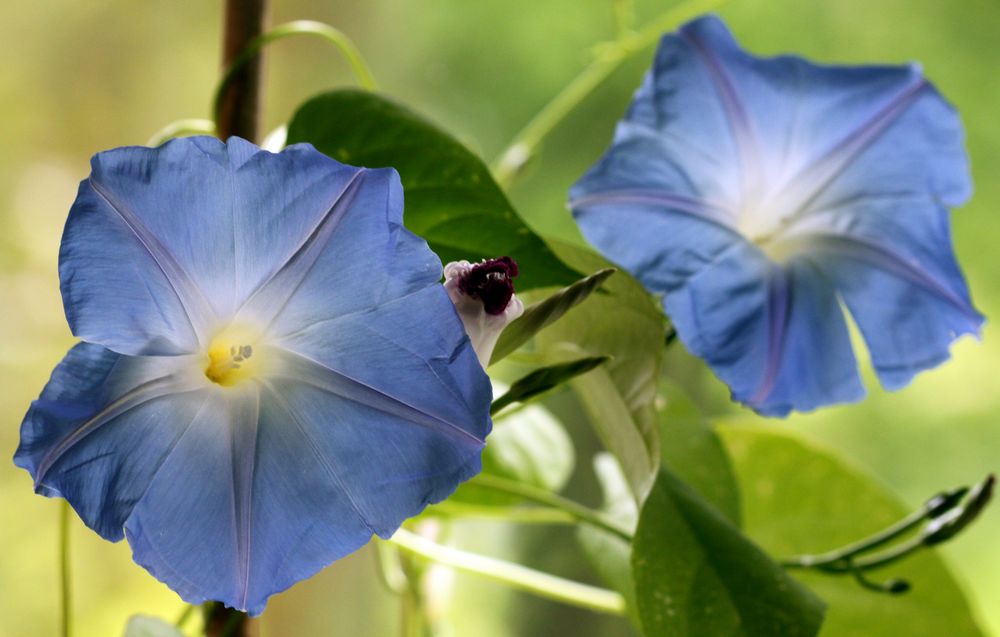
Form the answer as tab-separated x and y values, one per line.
271	370
753	193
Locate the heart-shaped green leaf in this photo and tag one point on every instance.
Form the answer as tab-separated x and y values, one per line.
799	499
696	575
450	197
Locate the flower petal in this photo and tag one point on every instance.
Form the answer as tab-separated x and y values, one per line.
193	528
775	335
824	168
916	267
371	405
388	464
721	315
897	138
150	307
810	358
357	257
234	494
102	426
661	244
203	224
908	316
644	170
284	481
791	126
909	232
413	349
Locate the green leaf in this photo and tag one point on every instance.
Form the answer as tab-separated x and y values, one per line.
625	324
696	575
542	314
799	499
450	197
146	626
694	452
606	552
618	428
527	445
691	448
542	380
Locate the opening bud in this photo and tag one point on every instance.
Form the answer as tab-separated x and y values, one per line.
483	294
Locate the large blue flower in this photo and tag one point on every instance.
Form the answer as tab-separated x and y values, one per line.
754	193
271	370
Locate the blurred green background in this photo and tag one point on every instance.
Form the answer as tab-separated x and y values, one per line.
79	77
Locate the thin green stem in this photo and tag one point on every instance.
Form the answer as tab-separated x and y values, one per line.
184	615
839	560
408	613
547	498
893	586
889	556
512	514
389	568
624	14
181	127
525	143
609	58
944	525
413	622
66	587
838	557
514	575
941	518
325	32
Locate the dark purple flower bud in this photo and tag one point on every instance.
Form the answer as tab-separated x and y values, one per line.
483	294
492	282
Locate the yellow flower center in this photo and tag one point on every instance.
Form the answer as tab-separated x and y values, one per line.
232	356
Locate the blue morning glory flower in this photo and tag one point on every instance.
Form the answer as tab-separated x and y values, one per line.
270	372
759	195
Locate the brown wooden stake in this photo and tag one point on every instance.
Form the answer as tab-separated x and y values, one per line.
240	107
239	114
226	622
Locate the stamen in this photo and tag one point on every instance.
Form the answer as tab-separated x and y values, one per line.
231	357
